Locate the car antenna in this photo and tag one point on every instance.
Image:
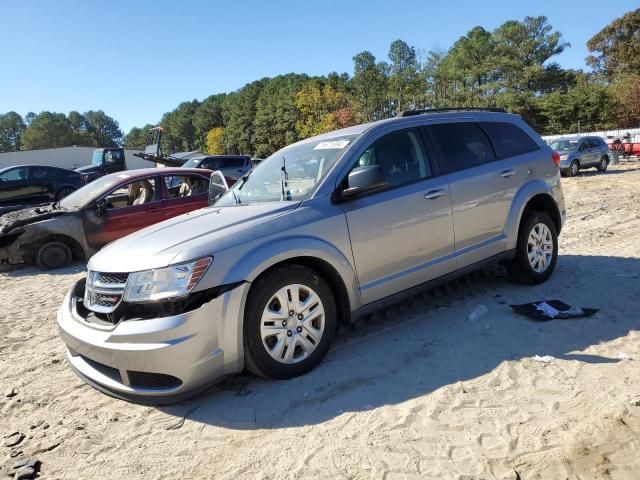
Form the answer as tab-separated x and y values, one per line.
284	177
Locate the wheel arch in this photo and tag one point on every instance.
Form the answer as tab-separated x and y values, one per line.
534	196
32	247
330	274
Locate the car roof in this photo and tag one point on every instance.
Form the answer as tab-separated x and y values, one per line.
469	115
147	172
2	169
203	156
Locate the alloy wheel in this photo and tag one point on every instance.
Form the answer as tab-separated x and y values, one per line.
540	247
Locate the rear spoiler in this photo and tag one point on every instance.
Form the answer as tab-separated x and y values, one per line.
153	150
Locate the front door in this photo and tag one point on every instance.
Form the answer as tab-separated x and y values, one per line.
129	207
401	236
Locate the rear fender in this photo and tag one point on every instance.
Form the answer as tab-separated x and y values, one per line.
526	193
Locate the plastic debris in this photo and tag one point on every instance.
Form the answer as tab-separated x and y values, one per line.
477	312
544	358
624	356
545	310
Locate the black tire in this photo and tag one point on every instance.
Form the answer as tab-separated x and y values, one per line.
520	268
574	168
63	192
257	359
604	163
53	255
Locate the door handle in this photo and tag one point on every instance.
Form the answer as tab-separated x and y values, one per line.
433	194
507	173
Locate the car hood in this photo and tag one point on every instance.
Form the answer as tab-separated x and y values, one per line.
88	169
25	216
184	238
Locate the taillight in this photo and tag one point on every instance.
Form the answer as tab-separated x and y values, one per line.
555	156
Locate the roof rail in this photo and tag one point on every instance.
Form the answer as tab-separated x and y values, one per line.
410	113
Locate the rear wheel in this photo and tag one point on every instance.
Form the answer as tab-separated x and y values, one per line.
604	163
290	321
53	255
574	168
63	192
536	250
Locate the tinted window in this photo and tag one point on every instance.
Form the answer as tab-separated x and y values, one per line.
38	173
14	174
232	162
508	139
463	145
401	156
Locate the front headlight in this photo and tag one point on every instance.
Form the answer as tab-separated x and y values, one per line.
174	281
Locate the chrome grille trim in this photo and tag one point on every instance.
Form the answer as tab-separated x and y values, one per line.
103	291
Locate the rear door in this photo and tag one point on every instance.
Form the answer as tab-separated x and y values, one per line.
401	236
183	193
43	180
483	180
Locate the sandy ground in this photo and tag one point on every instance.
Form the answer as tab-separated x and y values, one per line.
415	391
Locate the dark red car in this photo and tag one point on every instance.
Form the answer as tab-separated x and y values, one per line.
106	209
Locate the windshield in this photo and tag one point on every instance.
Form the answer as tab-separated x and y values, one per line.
564	145
97	157
192	163
85	195
306	164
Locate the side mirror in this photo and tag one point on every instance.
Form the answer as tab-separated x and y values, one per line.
364	179
101	206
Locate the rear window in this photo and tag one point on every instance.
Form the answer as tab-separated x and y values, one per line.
463	145
508	139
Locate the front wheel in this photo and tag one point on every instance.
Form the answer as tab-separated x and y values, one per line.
574	168
604	163
290	321
53	255
536	250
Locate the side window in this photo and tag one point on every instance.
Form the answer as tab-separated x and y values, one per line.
463	145
185	185
39	173
508	139
131	194
211	164
400	155
584	146
14	174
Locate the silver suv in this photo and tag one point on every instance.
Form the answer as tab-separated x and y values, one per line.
581	152
319	233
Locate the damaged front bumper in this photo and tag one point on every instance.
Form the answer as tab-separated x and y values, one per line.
11	252
155	360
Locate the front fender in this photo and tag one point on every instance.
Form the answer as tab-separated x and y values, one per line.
526	193
271	252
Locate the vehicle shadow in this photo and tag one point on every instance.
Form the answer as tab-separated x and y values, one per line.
414	348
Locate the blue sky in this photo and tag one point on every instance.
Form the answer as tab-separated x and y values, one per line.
136	60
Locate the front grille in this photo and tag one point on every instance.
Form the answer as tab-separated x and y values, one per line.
104	291
110	278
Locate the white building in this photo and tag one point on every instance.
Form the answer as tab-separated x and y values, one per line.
65	157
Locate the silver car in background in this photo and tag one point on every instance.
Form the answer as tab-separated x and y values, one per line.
577	153
321	232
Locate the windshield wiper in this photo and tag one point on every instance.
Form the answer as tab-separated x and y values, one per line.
284	177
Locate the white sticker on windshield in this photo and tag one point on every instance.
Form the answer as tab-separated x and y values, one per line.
334	144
